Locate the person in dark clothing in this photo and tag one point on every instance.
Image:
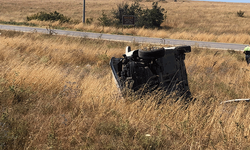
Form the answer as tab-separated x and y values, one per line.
247	53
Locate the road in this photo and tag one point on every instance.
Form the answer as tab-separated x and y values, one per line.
112	37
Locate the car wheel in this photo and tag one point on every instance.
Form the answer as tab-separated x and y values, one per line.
152	54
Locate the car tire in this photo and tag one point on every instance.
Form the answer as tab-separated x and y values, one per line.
152	54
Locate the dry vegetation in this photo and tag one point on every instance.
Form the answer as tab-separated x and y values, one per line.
57	92
192	20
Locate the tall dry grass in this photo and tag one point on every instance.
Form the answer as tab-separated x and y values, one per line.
191	20
57	92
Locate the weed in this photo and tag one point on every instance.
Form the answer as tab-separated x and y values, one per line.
89	20
103	59
13	131
240	13
44	59
152	142
100	36
52	141
50	30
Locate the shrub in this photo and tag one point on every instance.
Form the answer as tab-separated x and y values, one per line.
151	18
124	9
43	16
104	20
89	20
148	18
240	13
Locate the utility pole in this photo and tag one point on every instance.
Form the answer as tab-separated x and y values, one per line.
83	15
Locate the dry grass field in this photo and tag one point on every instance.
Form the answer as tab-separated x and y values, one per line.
192	20
57	92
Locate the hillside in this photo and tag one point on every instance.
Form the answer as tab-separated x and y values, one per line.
192	20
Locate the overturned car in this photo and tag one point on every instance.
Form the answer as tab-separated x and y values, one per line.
147	70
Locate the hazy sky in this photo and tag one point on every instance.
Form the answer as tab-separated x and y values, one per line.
235	1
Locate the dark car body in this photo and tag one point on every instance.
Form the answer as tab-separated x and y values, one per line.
154	69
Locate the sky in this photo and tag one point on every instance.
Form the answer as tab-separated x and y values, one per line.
234	1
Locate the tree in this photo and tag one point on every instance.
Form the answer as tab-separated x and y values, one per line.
151	18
